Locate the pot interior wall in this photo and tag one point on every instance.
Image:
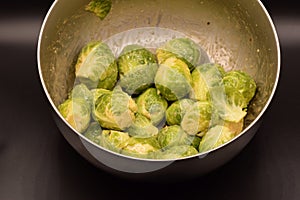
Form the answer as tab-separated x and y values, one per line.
235	34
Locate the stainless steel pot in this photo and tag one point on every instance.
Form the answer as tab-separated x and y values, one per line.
239	34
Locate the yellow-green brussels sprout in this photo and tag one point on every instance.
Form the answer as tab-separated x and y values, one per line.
114	140
142	127
94	133
197	118
137	67
234	127
215	137
96	66
172	136
179	151
141	147
100	7
115	110
184	49
239	87
173	79
177	110
152	105
77	112
229	107
96	94
203	78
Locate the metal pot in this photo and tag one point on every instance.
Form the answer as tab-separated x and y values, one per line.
237	34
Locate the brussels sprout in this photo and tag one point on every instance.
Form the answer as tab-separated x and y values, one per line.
100	7
142	127
180	151
184	49
204	77
137	67
114	140
141	147
177	110
77	112
197	118
115	110
172	136
96	66
94	133
97	93
234	127
152	105
239	82
208	84
215	137
173	79
81	91
228	107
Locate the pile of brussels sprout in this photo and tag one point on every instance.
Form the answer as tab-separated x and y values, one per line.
169	104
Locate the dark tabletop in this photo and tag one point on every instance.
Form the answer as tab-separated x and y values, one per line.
37	163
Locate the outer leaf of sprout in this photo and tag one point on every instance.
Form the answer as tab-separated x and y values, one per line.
101	8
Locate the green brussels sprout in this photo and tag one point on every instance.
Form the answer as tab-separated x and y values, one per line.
172	136
137	67
81	91
204	77
114	140
152	105
239	82
141	147
177	110
173	79
115	110
77	113
100	7
96	66
184	49
197	118
215	137
94	133
179	151
142	127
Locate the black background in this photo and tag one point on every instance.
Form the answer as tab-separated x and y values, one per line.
37	163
